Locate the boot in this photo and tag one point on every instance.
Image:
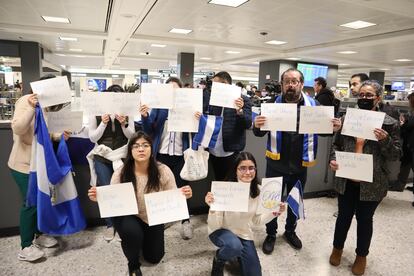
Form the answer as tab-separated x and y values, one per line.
335	258
218	267
358	268
135	272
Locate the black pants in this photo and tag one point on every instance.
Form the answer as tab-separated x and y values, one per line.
136	235
289	180
407	164
176	164
222	165
348	205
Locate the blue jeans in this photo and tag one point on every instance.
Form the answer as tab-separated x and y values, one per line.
231	246
104	173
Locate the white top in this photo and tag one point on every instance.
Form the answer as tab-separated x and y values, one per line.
240	223
96	132
171	143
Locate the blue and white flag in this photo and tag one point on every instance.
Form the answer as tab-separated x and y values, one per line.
208	132
51	186
295	201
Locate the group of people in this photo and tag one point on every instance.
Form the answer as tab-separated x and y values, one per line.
154	159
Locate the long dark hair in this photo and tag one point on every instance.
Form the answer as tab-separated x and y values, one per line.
232	174
128	171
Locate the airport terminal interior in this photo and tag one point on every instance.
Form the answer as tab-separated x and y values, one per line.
355	47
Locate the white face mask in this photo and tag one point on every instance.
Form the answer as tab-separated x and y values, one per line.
264	93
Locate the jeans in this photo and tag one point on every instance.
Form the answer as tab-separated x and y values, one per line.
289	180
104	173
138	236
348	205
231	246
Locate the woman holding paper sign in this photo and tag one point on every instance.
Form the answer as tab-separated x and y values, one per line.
231	231
147	176
112	131
359	197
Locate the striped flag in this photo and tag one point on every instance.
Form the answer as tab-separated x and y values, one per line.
295	201
51	186
208	131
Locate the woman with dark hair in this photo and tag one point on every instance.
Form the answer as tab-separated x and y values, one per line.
147	176
231	231
168	147
113	132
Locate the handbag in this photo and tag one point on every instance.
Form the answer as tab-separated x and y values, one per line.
195	164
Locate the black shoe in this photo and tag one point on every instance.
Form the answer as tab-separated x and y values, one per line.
135	272
412	204
218	267
410	188
293	240
269	244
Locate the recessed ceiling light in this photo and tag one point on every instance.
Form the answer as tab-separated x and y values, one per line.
358	24
158	45
230	3
180	31
343	64
232	52
347	52
275	42
56	19
115	76
62	55
403	59
385	69
294	58
68	38
75	50
205	58
62	65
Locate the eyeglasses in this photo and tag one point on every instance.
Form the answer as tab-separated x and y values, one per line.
366	96
292	82
244	169
143	146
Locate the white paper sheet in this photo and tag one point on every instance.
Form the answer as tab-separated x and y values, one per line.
279	116
270	195
52	91
230	196
157	95
117	200
361	123
224	94
64	120
166	206
316	119
100	103
356	166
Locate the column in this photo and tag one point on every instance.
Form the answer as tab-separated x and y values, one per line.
185	67
143	75
378	76
272	70
31	63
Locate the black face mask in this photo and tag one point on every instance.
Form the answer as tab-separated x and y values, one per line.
367	104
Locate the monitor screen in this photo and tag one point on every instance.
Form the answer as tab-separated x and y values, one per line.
312	71
397	85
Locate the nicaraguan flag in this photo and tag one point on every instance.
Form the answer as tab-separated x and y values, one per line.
208	131
295	201
51	186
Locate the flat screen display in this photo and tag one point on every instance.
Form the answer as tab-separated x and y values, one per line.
397	85
312	71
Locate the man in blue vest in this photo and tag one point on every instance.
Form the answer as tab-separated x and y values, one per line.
288	154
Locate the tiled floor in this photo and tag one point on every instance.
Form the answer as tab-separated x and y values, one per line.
392	249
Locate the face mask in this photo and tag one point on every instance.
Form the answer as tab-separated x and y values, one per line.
367	104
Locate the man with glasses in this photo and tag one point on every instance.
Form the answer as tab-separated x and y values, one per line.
289	159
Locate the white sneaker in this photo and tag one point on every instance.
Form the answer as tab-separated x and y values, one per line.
117	237
186	230
109	234
30	254
45	241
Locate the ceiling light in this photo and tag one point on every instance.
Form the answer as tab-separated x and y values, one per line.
347	52
56	19
294	58
358	24
343	64
62	55
205	58
385	69
79	74
68	38
232	52
145	54
403	60
275	42
75	50
115	76
62	65
180	31
158	45
230	3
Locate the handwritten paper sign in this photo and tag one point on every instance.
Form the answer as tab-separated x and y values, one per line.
279	116
157	95
270	195
356	166
76	104
316	119
187	101
116	200
64	120
361	123
52	91
100	103
230	196
166	206
223	94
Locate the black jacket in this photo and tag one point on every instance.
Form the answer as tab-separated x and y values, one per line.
325	97
407	135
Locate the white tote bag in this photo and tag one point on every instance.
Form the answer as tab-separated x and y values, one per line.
195	164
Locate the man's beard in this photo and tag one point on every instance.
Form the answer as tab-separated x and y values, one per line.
292	95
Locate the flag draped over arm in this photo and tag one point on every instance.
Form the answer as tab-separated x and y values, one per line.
208	131
295	201
51	186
